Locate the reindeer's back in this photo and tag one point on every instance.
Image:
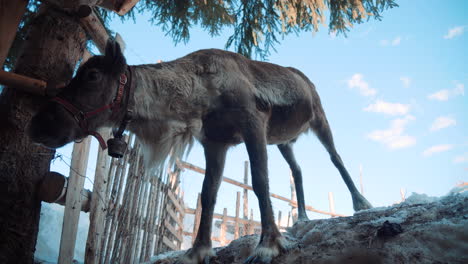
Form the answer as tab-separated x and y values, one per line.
270	83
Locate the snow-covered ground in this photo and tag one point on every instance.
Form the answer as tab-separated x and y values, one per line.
422	229
417	215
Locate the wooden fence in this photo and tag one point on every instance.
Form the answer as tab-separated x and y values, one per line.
134	214
245	225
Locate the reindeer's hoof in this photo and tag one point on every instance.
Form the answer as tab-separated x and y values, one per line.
264	255
198	255
361	203
257	260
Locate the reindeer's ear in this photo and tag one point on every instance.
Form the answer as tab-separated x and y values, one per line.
114	58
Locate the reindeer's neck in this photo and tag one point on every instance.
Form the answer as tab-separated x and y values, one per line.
163	117
161	91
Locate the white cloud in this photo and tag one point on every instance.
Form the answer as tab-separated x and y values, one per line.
436	149
442	122
388	108
445	94
461	158
442	95
394	137
394	42
454	32
459	89
357	81
406	81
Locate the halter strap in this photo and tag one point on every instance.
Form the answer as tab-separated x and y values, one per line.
82	117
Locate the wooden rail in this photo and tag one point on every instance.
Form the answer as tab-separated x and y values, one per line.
186	165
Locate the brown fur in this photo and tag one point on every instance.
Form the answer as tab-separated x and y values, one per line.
217	97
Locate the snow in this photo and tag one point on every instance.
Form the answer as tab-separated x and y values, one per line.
50	231
423	229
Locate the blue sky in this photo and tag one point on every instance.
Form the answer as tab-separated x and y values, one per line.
393	92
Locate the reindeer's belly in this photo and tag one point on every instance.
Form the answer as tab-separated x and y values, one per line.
223	126
286	123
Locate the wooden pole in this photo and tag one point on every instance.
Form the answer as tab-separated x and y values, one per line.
331	202
196	222
246	192
98	208
251	223
293	197
23	83
11	13
236	223
96	30
403	194
222	231
279	219
71	216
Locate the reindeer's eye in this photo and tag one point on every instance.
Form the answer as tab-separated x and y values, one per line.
93	76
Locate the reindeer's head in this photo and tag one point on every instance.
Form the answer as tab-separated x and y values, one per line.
86	104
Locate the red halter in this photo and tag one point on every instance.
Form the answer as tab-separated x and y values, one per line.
82	117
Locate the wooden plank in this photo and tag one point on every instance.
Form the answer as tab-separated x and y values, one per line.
139	225
23	83
173	215
98	207
331	202
196	222
114	201
246	192
144	255
236	221
126	7
175	201
134	215
173	231
222	231
293	197
169	243
71	215
251	224
293	203
279	219
11	13
96	30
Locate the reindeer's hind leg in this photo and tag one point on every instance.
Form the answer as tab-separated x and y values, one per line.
323	132
288	154
271	242
215	156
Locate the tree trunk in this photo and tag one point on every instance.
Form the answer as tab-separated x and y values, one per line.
54	44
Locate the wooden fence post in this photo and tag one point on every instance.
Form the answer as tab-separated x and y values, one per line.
279	219
236	223
71	215
246	192
222	231
331	201
293	197
98	208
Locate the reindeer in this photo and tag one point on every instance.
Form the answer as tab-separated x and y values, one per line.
217	97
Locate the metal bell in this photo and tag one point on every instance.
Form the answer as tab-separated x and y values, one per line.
116	147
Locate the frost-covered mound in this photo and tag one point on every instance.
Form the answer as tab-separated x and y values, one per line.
415	231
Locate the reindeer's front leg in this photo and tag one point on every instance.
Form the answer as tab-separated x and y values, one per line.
215	156
271	242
